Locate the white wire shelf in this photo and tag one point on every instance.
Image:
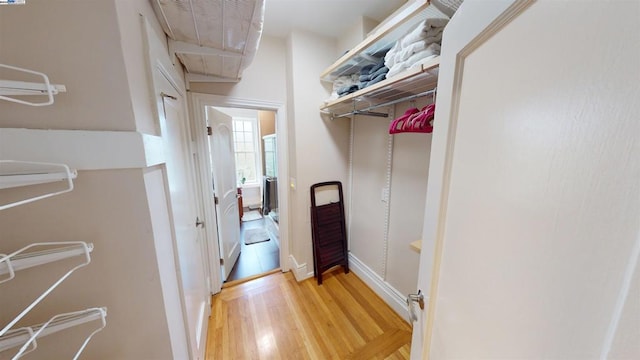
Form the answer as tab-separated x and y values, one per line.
405	85
26	337
29	256
25	173
9	88
385	35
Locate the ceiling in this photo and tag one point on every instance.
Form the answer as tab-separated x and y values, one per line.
326	17
217	39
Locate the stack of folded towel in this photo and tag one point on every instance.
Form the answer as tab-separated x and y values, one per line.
419	44
372	74
344	85
369	75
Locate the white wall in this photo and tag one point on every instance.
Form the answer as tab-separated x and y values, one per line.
370	148
409	177
320	146
386	251
354	35
264	79
76	44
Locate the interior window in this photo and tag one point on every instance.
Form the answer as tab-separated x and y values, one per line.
245	138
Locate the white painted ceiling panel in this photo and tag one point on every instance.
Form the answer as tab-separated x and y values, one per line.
234	27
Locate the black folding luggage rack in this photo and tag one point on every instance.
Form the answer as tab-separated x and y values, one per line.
329	232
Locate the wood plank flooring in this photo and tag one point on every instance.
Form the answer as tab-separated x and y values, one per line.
275	317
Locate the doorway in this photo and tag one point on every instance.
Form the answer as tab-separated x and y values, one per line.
254	154
274	218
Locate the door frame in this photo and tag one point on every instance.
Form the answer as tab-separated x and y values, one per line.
198	102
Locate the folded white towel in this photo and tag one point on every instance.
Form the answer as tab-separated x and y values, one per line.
424	31
431	51
416	47
389	58
435	21
396	69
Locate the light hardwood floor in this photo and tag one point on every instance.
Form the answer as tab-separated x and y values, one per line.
275	317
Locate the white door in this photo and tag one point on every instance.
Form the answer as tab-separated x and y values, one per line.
225	187
531	237
189	237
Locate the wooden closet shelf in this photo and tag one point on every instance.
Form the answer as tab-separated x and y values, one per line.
411	82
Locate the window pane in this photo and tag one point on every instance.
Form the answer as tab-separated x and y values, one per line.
251	167
245	149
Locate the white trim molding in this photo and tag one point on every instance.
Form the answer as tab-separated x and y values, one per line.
394	298
299	270
133	149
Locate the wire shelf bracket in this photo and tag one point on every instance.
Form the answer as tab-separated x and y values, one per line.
23	259
26	337
9	88
23	173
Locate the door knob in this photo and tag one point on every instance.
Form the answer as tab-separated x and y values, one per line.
199	223
411	299
419	298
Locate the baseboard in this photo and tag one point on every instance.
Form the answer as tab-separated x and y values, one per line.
299	270
395	299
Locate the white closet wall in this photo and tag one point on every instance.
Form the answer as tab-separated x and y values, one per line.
354	34
369	181
319	146
381	241
410	173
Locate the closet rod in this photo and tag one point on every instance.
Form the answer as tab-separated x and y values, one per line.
366	110
26	337
369	113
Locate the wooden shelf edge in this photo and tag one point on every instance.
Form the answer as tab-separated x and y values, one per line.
416	246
